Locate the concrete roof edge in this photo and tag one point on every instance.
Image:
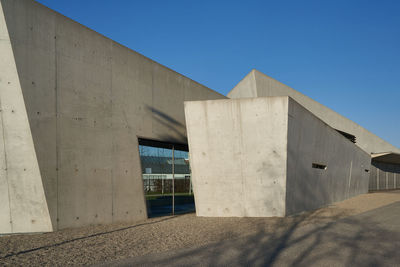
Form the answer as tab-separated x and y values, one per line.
239	99
379	154
247	75
259	72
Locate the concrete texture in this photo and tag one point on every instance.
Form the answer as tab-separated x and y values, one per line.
238	156
87	100
23	206
257	84
310	140
79	102
253	157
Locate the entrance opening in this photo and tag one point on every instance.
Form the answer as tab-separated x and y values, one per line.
166	178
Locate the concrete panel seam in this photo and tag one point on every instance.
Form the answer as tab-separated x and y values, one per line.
5	164
57	135
377	179
112	136
387	181
351	170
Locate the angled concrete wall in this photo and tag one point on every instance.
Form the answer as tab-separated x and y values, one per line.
88	99
246	88
310	140
238	156
23	206
260	85
254	157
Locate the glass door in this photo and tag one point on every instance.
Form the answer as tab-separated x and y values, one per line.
183	193
166	178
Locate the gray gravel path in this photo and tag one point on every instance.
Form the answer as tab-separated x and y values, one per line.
368	239
111	243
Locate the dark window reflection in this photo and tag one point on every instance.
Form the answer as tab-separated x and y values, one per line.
160	163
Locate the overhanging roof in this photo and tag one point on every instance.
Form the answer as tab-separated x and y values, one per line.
386	157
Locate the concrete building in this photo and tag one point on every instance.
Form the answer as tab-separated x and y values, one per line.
74	106
254	156
268	156
257	84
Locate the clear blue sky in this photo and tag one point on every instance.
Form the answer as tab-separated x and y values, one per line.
344	54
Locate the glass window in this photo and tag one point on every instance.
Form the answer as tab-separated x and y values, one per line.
166	178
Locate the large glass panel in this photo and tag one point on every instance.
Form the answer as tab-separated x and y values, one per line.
157	179
184	201
166	178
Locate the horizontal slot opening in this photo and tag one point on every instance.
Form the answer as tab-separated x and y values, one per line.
366	170
319	166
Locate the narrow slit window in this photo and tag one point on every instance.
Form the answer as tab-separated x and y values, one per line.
319	166
366	170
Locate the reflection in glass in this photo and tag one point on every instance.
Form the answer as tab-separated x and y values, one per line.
161	168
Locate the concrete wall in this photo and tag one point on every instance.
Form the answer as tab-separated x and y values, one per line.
246	88
238	156
266	86
23	206
310	140
253	157
384	176
88	98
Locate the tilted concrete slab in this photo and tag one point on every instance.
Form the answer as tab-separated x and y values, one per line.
238	156
87	100
257	84
312	141
254	157
23	206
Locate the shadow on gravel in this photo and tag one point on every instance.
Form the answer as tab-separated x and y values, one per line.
303	240
82	238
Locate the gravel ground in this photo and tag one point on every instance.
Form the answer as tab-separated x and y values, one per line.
97	244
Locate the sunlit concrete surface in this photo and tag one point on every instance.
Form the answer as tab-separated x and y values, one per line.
23	206
256	157
80	102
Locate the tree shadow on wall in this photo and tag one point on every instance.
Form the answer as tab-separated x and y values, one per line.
175	130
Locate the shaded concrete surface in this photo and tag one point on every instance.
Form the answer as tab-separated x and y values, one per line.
312	141
254	157
368	239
